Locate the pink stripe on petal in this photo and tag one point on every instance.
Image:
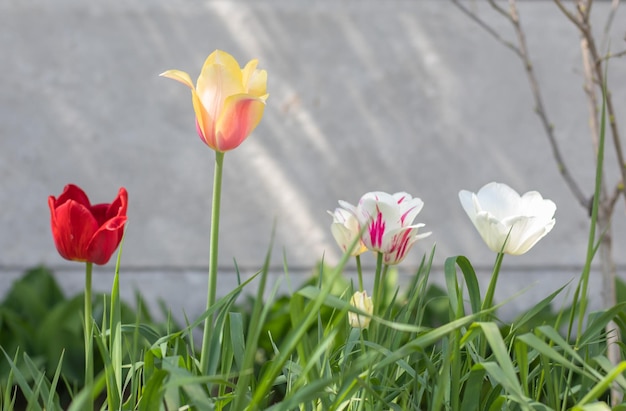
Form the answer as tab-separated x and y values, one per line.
377	230
403	216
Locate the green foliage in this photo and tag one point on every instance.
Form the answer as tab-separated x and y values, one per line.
41	337
425	352
430	348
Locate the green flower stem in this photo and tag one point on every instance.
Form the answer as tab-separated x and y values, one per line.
488	301
88	333
215	229
377	292
377	297
359	271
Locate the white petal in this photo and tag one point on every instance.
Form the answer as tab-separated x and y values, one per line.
467	199
410	210
533	204
492	231
526	233
499	200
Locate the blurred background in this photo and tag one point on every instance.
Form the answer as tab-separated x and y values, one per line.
364	95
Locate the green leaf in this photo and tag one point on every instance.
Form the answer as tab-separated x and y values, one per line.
471	281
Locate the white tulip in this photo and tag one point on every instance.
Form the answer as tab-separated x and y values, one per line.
497	211
345	229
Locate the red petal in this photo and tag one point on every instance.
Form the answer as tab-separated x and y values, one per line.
73	226
105	240
73	192
104	212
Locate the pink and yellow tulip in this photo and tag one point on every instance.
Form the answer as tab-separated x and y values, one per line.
228	101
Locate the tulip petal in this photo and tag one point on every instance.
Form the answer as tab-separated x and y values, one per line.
220	57
499	199
75	193
526	233
119	206
539	207
218	81
467	202
414	206
241	114
179	76
106	239
254	81
73	226
104	212
492	231
205	125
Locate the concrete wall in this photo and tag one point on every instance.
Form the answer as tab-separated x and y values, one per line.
364	95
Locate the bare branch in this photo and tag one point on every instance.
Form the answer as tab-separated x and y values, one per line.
590	89
619	189
610	55
522	52
592	98
568	14
610	109
609	23
500	10
486	27
540	109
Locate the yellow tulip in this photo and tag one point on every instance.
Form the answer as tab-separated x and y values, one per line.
228	101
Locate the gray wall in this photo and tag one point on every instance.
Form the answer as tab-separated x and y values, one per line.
364	95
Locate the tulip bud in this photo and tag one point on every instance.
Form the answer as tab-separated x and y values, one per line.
362	302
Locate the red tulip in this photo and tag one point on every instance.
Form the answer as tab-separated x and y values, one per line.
85	232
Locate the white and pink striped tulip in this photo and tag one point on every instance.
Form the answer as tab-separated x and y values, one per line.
389	220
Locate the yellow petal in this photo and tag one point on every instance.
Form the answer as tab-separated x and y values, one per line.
222	63
257	86
221	57
216	83
241	114
206	124
178	75
248	70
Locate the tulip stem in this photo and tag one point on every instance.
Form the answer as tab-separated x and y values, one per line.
88	333
377	284
359	271
488	301
377	297
215	228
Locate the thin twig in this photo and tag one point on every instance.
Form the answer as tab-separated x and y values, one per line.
617	192
540	109
522	52
610	55
487	27
593	71
567	13
610	109
609	23
590	89
500	10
